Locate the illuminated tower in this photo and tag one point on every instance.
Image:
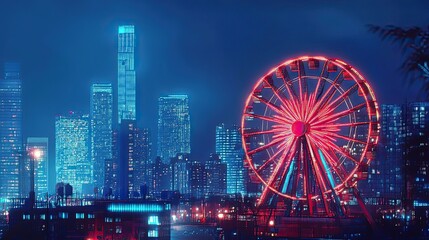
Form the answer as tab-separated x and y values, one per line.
73	164
41	165
174	130
126	74
10	131
230	151
101	129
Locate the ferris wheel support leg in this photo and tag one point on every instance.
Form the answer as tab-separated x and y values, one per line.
364	209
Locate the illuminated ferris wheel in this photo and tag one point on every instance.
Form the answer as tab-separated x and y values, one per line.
309	129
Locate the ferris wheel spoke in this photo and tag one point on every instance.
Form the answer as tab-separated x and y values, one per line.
250	134
336	135
275	108
335	163
282	73
268	145
321	80
335	117
286	107
301	80
340	99
320	179
328	94
335	125
343	152
274	175
268	162
265	118
287	172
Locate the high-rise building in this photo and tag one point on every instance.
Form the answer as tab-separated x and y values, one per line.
126	74
143	163
11	155
161	180
73	164
417	155
196	179
133	162
101	129
41	165
111	168
174	131
385	173
126	160
180	166
214	176
230	151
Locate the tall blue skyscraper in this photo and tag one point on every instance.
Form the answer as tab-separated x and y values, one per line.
126	74
73	164
41	165
11	155
230	151
101	129
174	128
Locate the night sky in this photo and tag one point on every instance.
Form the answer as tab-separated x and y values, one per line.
211	50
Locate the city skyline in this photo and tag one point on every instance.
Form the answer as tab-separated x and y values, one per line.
236	119
84	50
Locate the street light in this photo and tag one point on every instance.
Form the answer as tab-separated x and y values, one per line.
35	154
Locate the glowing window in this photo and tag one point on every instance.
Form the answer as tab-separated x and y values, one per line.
152	233
153	220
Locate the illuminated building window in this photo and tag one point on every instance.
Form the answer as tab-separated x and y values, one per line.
152	233
26	216
153	220
90	215
108	219
118	229
80	215
63	215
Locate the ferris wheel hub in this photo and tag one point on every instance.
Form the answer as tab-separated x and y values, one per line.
299	128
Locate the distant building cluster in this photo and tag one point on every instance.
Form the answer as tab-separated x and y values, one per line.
105	154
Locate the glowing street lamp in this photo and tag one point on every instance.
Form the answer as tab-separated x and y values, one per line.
35	154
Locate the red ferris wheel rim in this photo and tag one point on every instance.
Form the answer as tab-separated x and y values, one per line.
309	117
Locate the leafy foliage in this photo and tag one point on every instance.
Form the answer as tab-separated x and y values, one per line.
414	43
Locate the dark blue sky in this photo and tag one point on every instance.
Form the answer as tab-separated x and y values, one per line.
211	50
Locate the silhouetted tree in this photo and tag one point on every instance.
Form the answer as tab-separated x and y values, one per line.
414	44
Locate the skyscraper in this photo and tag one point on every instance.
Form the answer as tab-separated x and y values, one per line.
161	176
10	131
230	151
416	155
126	161
174	131
73	164
133	162
101	129
126	74
215	176
196	179
143	162
385	173
180	166
41	165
